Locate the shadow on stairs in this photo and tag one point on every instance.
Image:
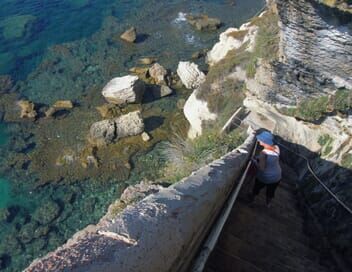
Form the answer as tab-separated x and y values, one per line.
275	239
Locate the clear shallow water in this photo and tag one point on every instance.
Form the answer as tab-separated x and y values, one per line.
59	50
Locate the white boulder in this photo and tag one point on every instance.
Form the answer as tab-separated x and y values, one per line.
196	111
122	90
232	38
190	74
107	131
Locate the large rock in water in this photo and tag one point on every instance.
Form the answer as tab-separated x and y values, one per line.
129	35
158	73
203	22
103	132
122	90
190	74
108	131
130	124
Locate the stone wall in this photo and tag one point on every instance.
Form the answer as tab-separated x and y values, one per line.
158	233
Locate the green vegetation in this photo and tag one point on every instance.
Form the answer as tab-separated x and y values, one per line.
343	100
185	156
266	42
325	142
347	160
316	108
313	109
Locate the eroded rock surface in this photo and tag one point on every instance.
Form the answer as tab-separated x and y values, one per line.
190	74
27	109
158	73
130	35
107	131
316	46
122	90
231	39
203	22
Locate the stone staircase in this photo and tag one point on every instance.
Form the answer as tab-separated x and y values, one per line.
275	239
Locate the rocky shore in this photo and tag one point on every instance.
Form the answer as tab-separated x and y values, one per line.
276	66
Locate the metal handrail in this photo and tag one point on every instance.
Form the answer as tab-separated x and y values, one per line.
310	169
214	235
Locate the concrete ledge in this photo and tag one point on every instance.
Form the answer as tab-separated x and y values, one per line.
157	233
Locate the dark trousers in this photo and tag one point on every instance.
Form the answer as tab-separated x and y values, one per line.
270	188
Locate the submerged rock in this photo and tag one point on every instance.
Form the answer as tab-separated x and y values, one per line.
158	73
203	22
59	106
6	83
129	35
89	158
47	213
190	74
147	60
122	90
27	109
17	26
109	111
108	131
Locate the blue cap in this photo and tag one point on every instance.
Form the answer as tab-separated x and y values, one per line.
266	137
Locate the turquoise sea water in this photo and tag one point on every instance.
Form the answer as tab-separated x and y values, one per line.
58	50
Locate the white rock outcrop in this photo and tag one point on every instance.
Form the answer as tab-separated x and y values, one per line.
107	131
196	111
232	38
126	89
190	74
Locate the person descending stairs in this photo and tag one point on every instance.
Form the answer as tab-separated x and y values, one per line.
256	238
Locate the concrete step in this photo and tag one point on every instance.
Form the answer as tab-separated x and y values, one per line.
243	216
271	256
221	261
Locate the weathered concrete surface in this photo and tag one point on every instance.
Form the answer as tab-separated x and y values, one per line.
156	233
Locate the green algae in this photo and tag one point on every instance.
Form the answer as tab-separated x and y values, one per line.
15	27
5	193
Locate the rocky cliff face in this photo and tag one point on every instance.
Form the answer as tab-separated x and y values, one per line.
313	65
299	85
316	46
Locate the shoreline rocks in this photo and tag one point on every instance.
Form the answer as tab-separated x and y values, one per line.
130	35
123	90
203	22
27	109
190	74
59	106
158	73
107	131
